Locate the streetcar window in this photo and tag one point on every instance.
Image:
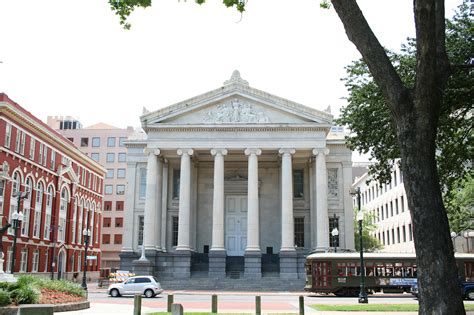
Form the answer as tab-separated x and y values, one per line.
469	271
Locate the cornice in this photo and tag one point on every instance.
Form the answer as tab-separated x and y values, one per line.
234	128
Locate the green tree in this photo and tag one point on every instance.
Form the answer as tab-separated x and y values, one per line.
369	242
461	218
374	132
415	112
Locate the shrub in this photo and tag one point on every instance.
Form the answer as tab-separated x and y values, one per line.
64	286
4	298
27	294
28	280
4	286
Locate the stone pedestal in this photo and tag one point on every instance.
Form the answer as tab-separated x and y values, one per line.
253	264
143	267
288	264
5	277
126	260
217	260
182	264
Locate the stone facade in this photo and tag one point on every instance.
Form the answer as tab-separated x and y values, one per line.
234	182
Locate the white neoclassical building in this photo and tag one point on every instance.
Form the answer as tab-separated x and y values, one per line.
235	180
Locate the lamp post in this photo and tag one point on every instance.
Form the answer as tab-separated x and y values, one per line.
453	238
17	218
86	233
360	217
334	233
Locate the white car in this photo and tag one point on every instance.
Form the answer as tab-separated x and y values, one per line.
146	285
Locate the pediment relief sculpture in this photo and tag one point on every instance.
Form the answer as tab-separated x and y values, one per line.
235	111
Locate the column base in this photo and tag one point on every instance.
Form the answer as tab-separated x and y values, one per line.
126	260
288	264
182	264
253	264
217	263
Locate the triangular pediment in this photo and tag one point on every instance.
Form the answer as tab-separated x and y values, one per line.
236	103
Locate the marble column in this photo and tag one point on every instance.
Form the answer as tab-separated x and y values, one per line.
322	217
184	213
287	225
253	255
158	208
217	254
218	200
149	232
288	256
164	204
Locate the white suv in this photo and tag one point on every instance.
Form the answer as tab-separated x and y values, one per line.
147	285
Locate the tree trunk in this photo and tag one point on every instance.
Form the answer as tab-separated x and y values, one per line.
437	270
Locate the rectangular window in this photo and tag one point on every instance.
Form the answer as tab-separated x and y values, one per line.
45	155
404	234
110	173
120	189
105	238
118	222
9	259
32	149
95	142
53	159
383	237
174	230
140	229
24	260
110	157
176	178
398	235
118	239
299	231
17	142
107	222
122	141
84	142
391	208
333	224
402	203
109	189
8	135
46	261
393	236
395	178
22	143
396	206
142	186
35	262
119	205
107	205
122	157
121	173
298	184
410	233
95	157
111	141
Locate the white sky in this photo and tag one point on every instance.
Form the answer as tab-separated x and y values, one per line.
65	57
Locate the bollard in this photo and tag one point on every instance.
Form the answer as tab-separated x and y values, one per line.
170	302
301	305
176	309
214	304
258	305
137	304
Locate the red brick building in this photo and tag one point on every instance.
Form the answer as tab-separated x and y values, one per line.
65	190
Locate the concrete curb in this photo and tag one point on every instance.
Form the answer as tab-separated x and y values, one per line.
76	306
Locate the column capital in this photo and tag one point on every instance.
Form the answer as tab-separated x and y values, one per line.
324	151
250	151
148	151
185	151
286	151
218	151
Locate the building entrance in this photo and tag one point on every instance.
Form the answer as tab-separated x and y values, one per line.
236	225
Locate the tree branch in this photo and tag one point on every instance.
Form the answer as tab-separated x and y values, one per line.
360	34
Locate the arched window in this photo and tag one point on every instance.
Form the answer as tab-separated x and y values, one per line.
49	207
16	184
74	215
97	225
38	210
25	226
81	219
63	214
92	212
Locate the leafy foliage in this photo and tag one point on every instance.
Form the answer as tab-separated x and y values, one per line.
462	203
369	242
373	129
4	298
26	294
123	8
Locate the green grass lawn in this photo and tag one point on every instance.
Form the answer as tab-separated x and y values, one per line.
375	307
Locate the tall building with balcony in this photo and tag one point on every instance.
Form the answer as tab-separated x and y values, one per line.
104	144
56	189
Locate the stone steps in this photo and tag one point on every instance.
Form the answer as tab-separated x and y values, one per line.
263	284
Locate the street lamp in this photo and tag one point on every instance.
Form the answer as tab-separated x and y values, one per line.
334	233
453	239
86	233
17	218
360	217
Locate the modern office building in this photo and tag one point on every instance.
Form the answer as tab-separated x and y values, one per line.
388	207
57	192
105	145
